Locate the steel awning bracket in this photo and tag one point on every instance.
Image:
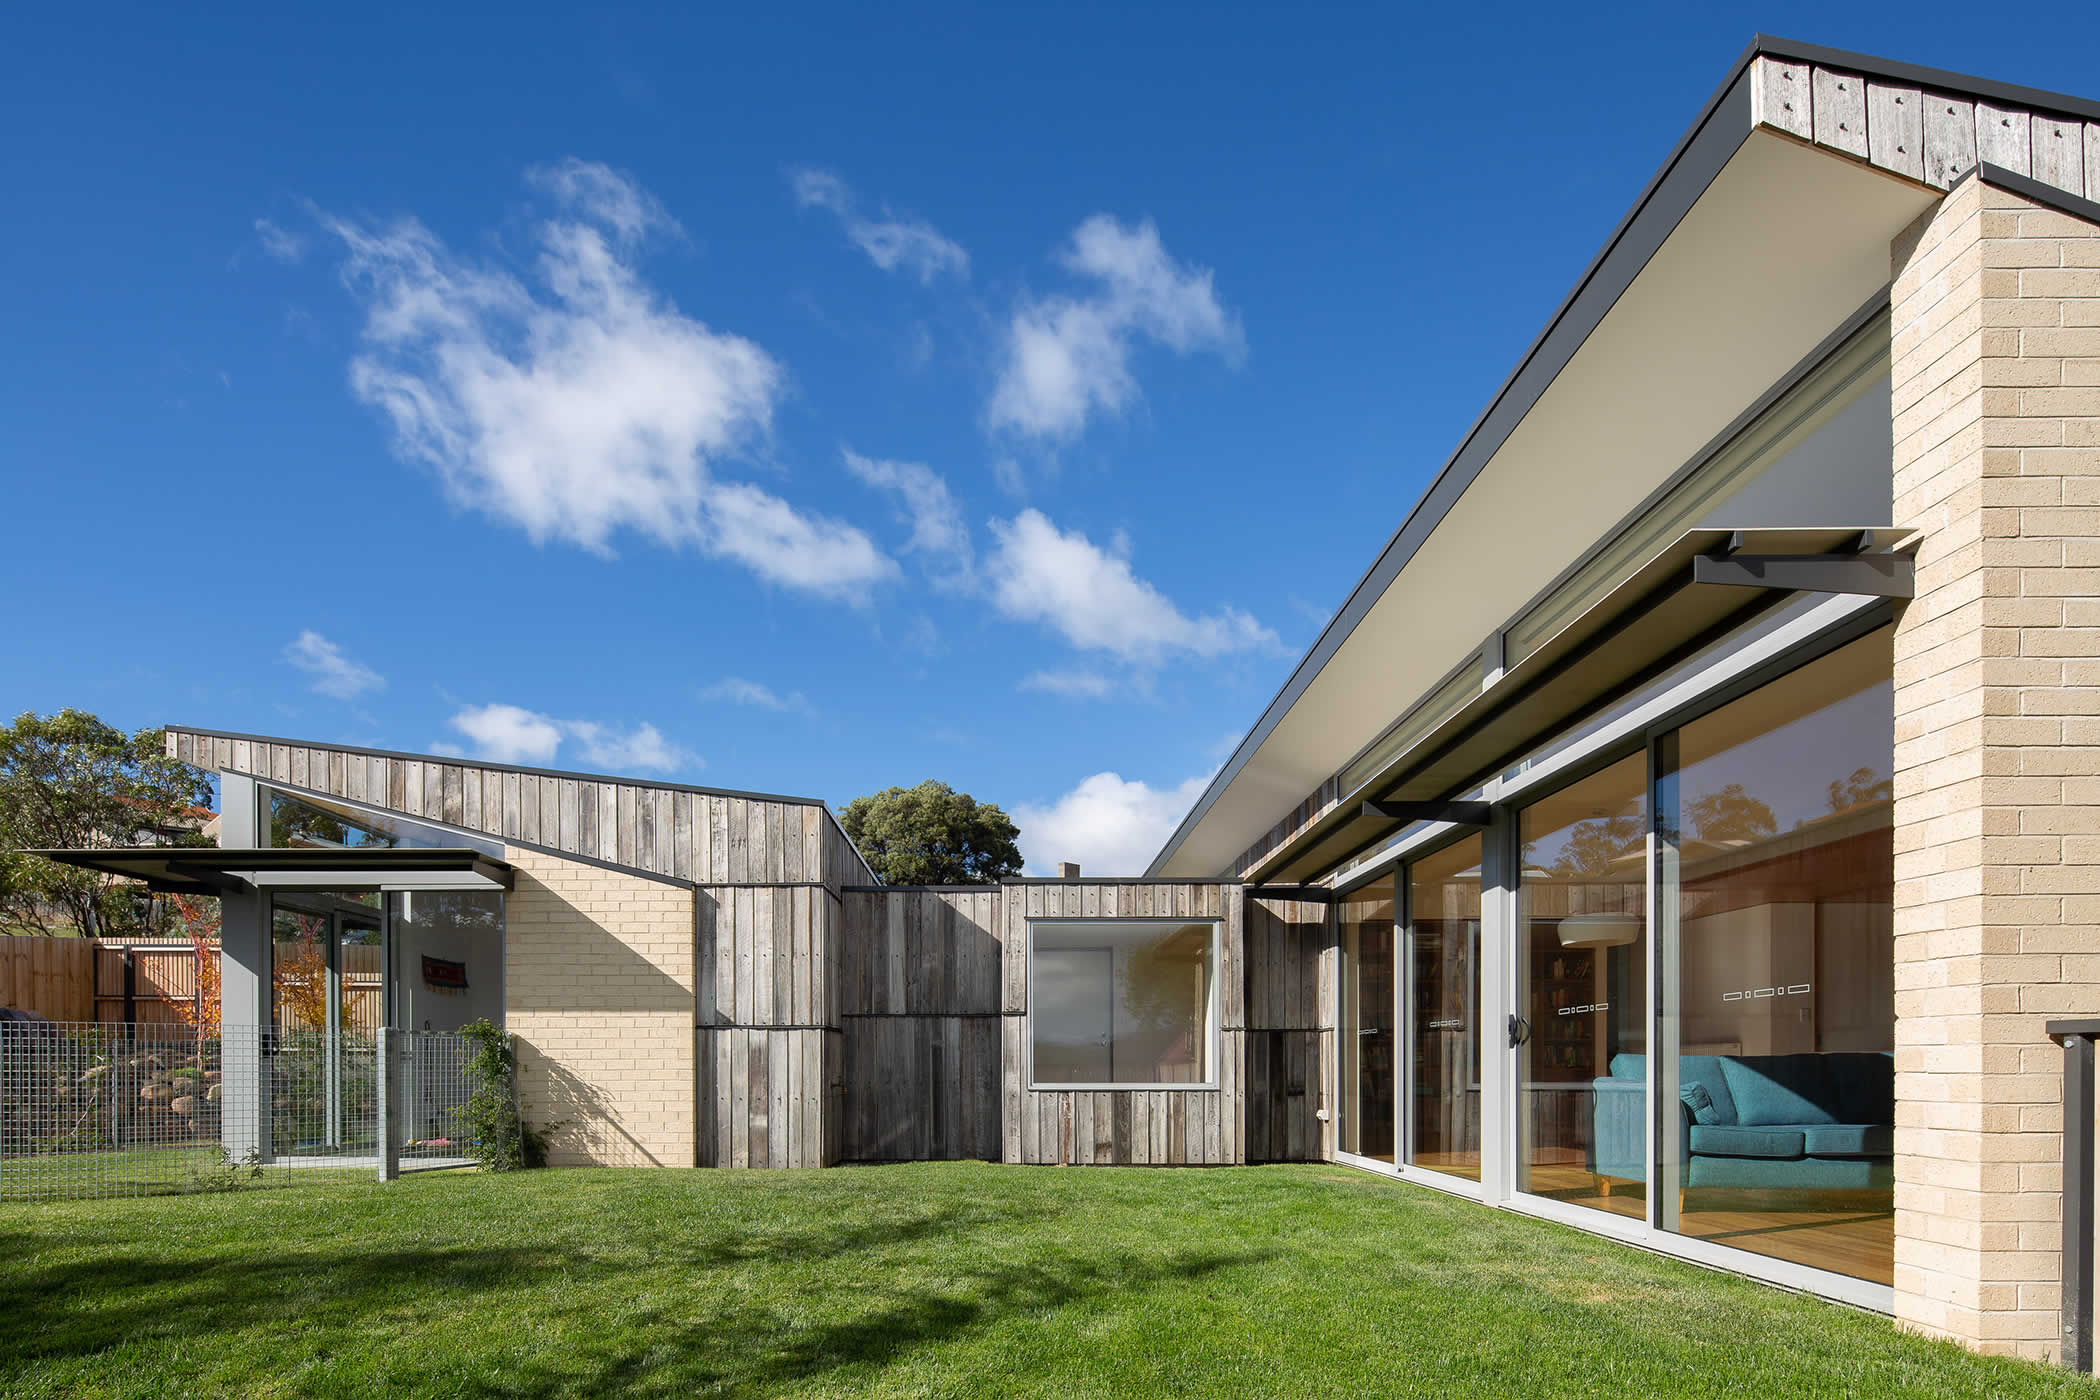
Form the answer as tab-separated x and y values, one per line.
1872	575
1456	813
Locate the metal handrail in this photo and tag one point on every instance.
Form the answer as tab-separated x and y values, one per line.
2077	1038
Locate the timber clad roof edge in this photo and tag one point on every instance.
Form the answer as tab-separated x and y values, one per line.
458	762
669	831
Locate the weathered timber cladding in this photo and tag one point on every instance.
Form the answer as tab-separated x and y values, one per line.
1289	949
771	1060
673	832
1138	1127
1930	136
919	1012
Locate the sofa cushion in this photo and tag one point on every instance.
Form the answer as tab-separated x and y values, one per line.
1702	1070
1864	1085
1779	1089
1700	1103
1705	1071
1850	1140
1719	1141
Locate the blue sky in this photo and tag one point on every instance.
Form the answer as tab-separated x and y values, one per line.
802	399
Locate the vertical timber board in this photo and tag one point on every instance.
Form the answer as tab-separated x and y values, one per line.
760	933
1840	106
452	795
587	839
1950	139
660	860
682	835
529	808
1780	97
550	815
1896	129
2002	137
778	1075
737	1078
755	861
625	819
2058	152
569	814
1010	1088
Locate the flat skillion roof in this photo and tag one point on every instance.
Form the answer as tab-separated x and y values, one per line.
1776	240
211	870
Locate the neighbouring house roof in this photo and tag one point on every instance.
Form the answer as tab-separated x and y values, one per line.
1772	218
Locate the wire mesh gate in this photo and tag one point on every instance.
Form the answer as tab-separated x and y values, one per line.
90	1110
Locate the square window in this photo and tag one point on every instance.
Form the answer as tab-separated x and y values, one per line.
1127	1002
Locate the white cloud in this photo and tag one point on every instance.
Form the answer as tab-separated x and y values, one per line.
513	734
1068	358
333	672
1039	573
891	243
641	749
280	243
735	690
1074	685
926	504
509	733
582	404
1108	825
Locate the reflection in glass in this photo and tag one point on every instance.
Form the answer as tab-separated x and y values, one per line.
448	947
1774	815
1443	911
1582	958
1367	1077
1121	1001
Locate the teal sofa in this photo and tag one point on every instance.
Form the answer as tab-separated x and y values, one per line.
1786	1122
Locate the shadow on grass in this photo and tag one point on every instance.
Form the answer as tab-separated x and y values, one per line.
575	1302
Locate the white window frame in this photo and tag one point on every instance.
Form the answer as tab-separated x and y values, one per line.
1212	1012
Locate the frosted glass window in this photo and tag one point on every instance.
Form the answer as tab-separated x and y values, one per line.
1123	1001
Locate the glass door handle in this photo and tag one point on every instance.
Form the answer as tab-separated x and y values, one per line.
1519	1030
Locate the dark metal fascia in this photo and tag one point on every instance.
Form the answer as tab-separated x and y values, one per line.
2027	187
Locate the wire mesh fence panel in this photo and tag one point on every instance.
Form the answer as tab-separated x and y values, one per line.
435	1088
90	1110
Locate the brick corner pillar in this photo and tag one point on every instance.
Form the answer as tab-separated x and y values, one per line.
1996	405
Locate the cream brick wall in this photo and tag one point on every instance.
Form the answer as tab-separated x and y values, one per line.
1996	403
599	990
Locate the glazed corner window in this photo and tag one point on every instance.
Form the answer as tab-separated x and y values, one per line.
1123	1002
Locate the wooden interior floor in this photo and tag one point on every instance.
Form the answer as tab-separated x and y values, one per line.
1846	1232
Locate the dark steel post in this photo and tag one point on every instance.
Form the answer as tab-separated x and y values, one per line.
2078	1203
131	996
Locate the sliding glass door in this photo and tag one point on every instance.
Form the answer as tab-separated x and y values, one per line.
1367	1041
1774	824
1582	970
1443	1005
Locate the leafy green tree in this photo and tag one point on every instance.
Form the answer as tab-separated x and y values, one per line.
69	780
1731	815
932	835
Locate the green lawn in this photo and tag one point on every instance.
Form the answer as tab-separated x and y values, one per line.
951	1279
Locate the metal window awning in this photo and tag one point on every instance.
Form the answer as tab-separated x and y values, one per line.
1704	584
211	870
